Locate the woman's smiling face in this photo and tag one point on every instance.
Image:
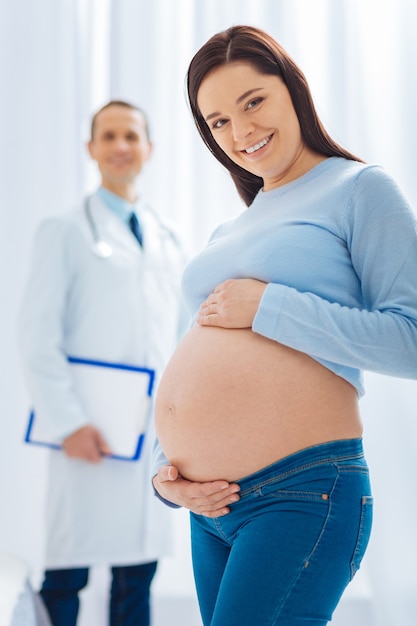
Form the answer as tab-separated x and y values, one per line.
252	118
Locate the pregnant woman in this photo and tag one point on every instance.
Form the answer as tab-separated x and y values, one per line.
257	412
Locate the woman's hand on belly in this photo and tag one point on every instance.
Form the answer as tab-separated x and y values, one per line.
232	304
210	499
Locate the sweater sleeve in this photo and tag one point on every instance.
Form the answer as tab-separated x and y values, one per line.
380	334
41	329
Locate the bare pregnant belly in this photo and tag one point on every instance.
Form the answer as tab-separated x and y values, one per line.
231	402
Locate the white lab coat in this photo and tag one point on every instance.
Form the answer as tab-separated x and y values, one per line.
125	308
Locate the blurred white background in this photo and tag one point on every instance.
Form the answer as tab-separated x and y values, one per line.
62	59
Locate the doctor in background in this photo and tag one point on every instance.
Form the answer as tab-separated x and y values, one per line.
103	285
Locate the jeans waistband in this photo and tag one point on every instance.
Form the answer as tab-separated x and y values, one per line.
339	450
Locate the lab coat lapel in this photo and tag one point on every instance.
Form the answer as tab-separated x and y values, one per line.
154	238
112	229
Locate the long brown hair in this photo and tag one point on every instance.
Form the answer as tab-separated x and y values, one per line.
254	46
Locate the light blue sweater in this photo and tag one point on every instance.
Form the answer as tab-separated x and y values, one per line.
338	247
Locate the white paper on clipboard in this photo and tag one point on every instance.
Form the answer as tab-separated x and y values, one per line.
116	398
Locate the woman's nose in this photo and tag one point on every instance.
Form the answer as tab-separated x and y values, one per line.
242	128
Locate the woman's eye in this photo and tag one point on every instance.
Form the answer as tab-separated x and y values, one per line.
253	103
218	123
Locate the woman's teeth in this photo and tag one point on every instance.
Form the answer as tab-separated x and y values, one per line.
257	146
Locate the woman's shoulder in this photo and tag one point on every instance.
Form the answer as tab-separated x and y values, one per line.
360	170
357	180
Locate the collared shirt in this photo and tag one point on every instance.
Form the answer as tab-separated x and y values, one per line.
119	206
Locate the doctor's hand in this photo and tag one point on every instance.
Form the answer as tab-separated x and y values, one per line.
210	499
232	304
87	444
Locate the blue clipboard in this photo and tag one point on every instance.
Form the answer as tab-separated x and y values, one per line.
105	389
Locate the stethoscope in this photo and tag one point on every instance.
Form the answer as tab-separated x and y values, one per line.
100	247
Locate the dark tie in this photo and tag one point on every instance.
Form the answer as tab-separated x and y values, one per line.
135	228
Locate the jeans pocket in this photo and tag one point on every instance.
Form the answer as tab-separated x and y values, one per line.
364	532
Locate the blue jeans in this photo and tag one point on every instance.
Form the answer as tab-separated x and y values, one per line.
129	594
287	550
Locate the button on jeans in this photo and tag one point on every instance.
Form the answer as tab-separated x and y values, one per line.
287	550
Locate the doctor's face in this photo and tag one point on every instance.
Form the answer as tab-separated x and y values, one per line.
120	146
